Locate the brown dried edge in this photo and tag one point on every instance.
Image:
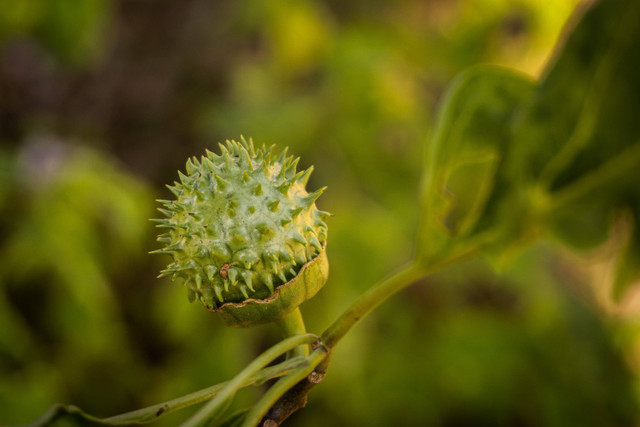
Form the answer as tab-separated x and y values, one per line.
276	292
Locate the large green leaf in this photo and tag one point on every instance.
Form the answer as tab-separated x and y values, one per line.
508	163
585	111
464	151
579	137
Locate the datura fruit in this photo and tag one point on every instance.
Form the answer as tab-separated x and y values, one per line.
245	236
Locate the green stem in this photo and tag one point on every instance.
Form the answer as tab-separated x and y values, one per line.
368	301
292	325
378	293
235	384
154	412
283	385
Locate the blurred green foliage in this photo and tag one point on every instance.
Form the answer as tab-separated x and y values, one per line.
508	156
104	99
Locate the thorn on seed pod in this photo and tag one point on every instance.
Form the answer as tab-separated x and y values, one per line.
296	211
274	206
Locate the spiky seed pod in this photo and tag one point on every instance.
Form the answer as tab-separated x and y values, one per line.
245	236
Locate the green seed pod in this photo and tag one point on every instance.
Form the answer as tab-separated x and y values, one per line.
246	237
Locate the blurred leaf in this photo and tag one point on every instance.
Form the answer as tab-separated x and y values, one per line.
585	110
579	138
583	224
465	149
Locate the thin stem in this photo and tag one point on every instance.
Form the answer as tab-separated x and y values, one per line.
378	293
284	384
291	325
252	375
152	413
232	386
368	301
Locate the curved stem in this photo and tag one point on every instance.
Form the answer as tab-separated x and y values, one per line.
259	410
378	293
368	301
291	325
236	383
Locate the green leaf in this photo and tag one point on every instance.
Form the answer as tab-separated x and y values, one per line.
584	112
583	224
579	137
464	152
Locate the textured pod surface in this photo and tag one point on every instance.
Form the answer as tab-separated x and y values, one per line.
283	301
242	225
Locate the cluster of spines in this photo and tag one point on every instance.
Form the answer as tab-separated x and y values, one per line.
216	259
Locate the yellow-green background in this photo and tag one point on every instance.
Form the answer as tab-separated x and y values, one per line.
101	101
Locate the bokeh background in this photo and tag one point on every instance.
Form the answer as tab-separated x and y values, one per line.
102	101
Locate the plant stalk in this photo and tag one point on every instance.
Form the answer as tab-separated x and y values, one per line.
211	408
373	297
284	384
379	293
291	325
152	413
